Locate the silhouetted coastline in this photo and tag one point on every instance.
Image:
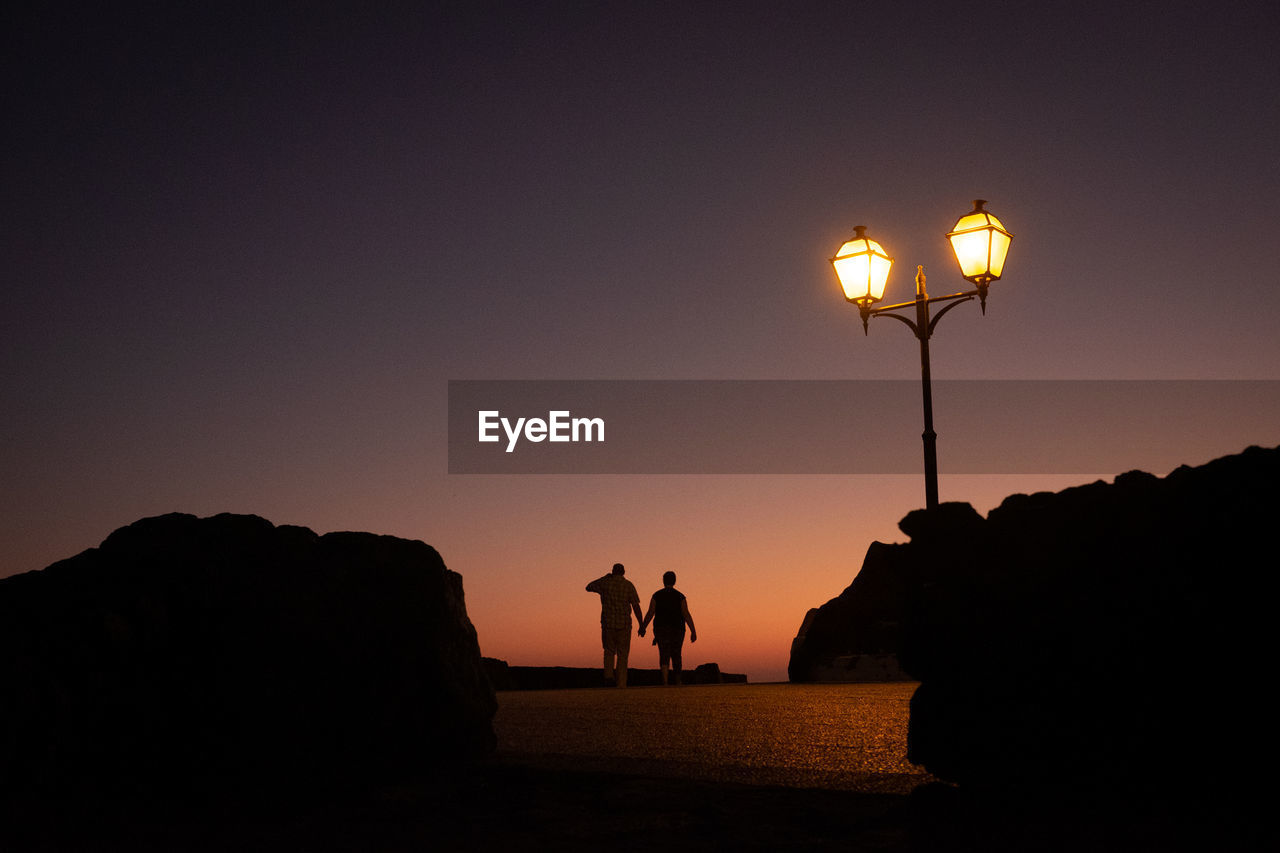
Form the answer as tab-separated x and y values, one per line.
503	676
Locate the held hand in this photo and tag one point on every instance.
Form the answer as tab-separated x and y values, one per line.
641	630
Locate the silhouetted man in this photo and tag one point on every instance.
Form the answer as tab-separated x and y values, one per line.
669	611
618	598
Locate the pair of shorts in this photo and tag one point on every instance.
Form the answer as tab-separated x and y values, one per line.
668	639
616	640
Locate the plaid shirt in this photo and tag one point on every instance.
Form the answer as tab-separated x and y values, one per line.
617	594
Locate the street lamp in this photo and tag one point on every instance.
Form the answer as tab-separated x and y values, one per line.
980	243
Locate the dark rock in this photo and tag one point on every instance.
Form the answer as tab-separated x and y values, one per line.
705	673
1100	644
498	672
185	650
865	619
949	520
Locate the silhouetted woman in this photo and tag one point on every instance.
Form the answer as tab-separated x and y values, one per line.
669	611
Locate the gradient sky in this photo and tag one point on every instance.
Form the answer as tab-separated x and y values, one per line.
246	248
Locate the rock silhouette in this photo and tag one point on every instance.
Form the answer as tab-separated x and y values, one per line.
865	620
1098	644
186	649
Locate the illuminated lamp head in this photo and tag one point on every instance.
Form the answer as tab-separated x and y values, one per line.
980	242
862	267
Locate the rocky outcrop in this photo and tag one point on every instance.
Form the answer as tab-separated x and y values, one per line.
187	649
864	621
1100	643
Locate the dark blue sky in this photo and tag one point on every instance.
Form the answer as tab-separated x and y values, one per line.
245	248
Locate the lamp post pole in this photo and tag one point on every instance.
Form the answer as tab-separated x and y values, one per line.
929	437
922	328
863	268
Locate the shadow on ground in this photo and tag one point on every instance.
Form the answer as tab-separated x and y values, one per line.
501	805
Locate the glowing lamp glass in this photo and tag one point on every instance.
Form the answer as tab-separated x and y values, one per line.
981	243
862	267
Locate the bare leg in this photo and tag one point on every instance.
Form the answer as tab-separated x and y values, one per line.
608	664
622	669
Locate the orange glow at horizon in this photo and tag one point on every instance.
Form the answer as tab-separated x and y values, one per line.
752	559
